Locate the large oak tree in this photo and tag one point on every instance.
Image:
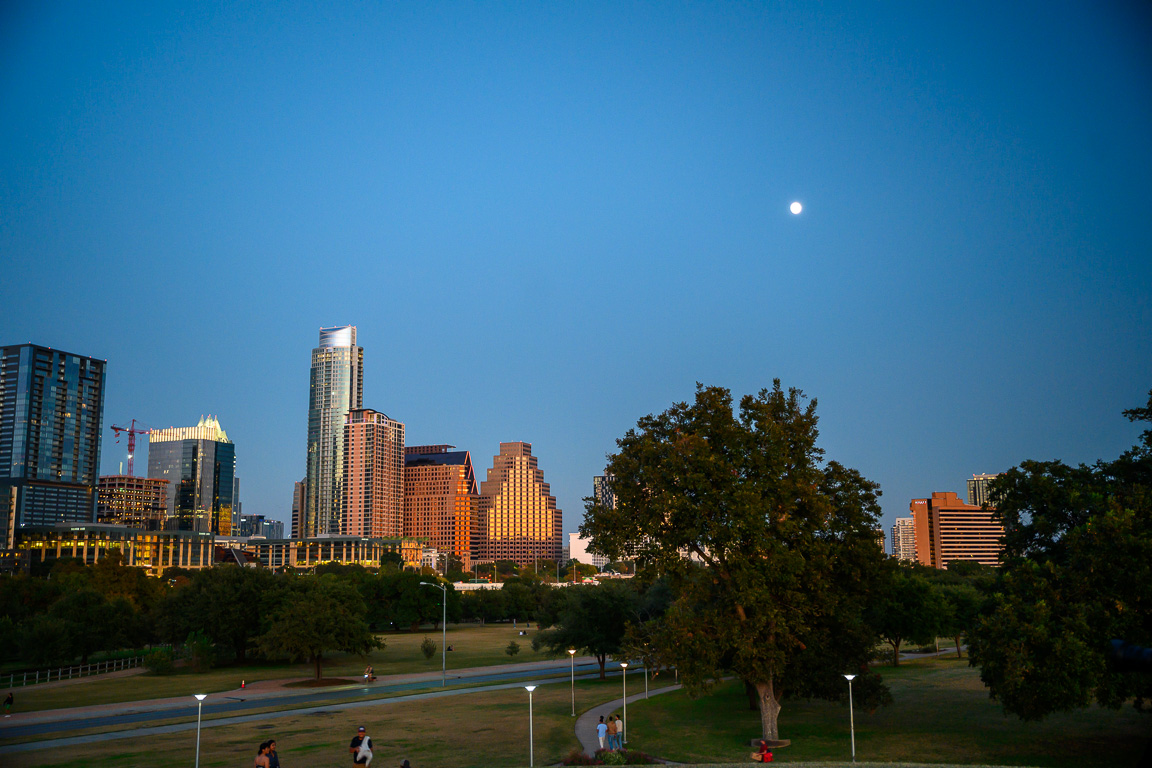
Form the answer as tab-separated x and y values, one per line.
770	551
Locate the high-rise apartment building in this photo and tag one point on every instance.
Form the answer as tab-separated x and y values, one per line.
978	489
133	502
904	539
335	387
199	464
519	520
373	475
441	500
880	540
947	529
51	410
299	502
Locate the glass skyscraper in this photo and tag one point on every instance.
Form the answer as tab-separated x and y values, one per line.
51	409
199	464
335	388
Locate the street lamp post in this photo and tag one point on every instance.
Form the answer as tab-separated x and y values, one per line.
531	747
624	720
443	630
851	716
572	659
199	708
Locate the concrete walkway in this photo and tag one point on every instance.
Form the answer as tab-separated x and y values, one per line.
586	723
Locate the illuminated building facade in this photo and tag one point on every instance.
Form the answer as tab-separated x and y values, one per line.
335	388
978	489
904	539
519	520
90	542
51	410
303	554
947	529
299	504
373	475
199	464
441	500
133	502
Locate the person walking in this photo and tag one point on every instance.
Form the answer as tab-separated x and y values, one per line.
611	732
273	758
601	731
361	747
8	705
262	756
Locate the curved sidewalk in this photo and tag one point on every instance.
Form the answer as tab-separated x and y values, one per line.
586	723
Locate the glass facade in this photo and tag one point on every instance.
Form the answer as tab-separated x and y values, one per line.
51	409
335	388
199	464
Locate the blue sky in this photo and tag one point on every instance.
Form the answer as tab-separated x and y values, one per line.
548	220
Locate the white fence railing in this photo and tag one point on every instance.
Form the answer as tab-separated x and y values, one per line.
70	673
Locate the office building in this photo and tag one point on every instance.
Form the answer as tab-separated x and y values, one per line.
904	539
133	502
258	525
441	500
601	493
947	529
199	464
373	475
88	543
335	388
519	520
51	411
578	551
978	489
299	503
880	541
236	510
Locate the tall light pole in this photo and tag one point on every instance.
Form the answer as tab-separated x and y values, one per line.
531	747
572	659
199	708
851	716
443	630
624	720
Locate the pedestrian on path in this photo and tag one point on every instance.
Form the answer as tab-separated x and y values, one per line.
8	705
601	731
611	732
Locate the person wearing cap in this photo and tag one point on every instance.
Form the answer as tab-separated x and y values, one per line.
361	747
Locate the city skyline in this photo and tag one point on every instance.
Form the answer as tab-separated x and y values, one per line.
548	222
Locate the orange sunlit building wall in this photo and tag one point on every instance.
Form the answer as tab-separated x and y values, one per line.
947	529
440	500
519	520
373	476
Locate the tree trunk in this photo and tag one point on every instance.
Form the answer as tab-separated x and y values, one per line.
753	696
318	673
895	652
959	654
769	710
600	657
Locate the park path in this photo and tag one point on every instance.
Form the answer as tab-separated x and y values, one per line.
586	723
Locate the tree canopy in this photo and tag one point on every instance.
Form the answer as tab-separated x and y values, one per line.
770	551
1076	567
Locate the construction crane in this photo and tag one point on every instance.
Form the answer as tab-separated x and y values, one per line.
131	432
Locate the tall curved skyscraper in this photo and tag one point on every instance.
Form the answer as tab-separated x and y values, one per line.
336	387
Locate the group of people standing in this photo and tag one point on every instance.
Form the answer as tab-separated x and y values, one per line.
610	733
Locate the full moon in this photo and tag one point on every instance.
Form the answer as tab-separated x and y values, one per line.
795	207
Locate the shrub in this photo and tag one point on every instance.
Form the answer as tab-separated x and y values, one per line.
160	661
513	648
428	647
636	757
609	757
624	757
578	757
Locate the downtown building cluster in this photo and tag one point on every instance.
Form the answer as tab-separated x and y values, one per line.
943	528
363	480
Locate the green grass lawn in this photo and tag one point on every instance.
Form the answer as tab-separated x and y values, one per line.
941	714
473	646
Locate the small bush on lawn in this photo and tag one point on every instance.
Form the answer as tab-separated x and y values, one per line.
611	757
428	648
160	661
577	757
624	757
